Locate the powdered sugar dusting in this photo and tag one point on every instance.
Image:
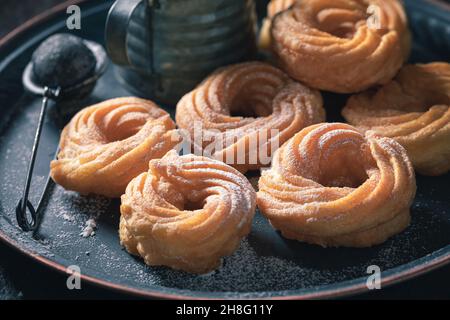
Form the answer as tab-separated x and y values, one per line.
265	262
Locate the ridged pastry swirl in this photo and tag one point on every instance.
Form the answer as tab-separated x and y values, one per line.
186	212
273	109
336	45
414	109
333	186
106	145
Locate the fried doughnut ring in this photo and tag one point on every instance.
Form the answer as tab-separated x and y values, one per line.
414	109
186	212
273	106
336	45
106	145
333	186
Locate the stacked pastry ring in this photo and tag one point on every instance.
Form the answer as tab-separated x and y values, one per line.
342	45
333	186
276	107
186	212
414	109
106	145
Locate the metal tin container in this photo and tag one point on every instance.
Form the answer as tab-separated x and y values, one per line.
166	47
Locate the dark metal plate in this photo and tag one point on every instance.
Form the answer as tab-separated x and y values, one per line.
265	266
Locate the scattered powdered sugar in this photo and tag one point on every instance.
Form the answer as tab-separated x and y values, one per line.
245	270
265	261
83	211
67	217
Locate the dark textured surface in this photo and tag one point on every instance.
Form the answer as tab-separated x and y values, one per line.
62	60
430	230
13	13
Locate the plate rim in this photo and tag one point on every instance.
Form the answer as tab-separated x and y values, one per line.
412	269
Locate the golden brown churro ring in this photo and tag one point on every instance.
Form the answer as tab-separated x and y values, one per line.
246	111
106	145
331	185
342	45
186	212
414	109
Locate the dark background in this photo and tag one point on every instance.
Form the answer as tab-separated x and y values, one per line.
22	278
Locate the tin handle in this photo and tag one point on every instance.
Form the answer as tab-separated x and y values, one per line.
116	29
